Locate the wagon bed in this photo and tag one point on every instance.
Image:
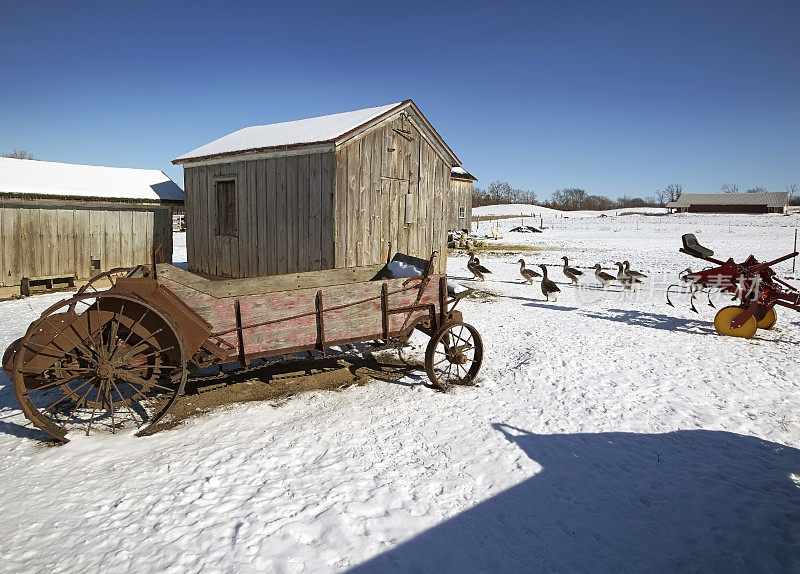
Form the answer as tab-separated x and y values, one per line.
104	358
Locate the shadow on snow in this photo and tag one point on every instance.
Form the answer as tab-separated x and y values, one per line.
707	501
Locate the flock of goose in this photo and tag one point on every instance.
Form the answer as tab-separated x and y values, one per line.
626	276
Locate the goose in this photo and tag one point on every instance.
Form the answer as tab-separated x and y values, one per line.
478	271
527	274
602	276
570	272
627	281
548	287
634	274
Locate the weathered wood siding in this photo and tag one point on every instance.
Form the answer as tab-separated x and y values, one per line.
377	175
48	238
285	211
462	197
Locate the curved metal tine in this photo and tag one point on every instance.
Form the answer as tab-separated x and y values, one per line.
710	304
692	307
668	301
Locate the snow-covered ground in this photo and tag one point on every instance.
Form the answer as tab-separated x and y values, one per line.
608	433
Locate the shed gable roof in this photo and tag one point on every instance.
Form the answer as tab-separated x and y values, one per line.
458	172
47	178
776	199
333	128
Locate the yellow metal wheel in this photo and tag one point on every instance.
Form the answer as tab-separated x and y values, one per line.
765	319
722	323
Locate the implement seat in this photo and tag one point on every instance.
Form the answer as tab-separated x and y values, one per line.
691	245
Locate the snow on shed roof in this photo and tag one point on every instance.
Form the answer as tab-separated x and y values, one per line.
33	177
307	131
776	199
461	173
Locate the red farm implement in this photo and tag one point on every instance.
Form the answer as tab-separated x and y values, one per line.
121	356
752	283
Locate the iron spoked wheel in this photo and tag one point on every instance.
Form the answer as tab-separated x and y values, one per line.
454	355
117	363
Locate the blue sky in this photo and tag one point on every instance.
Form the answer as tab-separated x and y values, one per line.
619	98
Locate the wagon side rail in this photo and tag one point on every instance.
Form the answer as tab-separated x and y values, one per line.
424	315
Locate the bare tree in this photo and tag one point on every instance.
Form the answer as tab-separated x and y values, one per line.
19	154
670	193
792	190
729	188
757	189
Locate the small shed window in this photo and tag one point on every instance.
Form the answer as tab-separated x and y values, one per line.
462	212
227	222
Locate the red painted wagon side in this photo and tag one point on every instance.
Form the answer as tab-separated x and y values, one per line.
107	358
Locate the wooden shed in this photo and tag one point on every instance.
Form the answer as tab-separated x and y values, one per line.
329	192
460	214
65	221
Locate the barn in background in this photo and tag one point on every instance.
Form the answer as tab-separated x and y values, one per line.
334	191
730	203
460	214
61	222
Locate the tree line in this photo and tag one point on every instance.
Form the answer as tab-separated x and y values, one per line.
574	198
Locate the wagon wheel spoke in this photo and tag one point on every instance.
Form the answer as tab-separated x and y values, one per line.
126	405
78	404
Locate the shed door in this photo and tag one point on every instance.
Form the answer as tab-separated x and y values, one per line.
392	216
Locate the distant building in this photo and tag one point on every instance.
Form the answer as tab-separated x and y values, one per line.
460	212
730	203
60	220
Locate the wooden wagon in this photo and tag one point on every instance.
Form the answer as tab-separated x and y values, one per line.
110	358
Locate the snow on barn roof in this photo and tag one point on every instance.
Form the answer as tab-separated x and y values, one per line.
461	173
777	199
311	130
33	177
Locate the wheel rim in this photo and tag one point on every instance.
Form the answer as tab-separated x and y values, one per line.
117	363
723	319
454	355
111	276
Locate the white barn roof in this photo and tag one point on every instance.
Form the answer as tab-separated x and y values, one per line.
311	130
46	178
772	200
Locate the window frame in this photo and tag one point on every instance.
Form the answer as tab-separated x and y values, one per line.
462	211
234	219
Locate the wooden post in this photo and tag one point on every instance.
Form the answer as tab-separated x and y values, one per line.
385	311
239	335
794	259
320	324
